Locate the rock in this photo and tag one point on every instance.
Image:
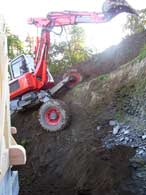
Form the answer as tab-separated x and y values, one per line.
116	129
137	162
142	147
134	146
139	134
127	127
126	132
139	175
144	137
144	158
121	139
131	140
126	139
98	128
140	152
112	123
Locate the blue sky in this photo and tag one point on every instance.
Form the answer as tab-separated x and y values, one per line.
101	36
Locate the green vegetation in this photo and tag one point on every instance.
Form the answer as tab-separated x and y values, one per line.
103	77
24	142
136	24
27	180
77	90
15	45
130	98
70	51
119	116
142	53
65	51
29	46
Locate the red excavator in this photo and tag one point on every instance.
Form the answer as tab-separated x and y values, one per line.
31	82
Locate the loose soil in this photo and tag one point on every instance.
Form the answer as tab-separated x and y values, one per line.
73	161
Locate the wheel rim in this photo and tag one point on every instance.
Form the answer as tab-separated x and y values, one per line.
53	116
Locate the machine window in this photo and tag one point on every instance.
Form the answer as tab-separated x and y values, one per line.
19	67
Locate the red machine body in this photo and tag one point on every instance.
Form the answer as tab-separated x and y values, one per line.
39	77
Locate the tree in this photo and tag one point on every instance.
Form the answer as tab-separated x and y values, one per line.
136	24
29	44
70	51
15	45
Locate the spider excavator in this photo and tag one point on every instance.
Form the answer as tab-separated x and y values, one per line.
31	82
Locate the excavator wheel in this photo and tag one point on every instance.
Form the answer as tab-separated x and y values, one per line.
74	78
54	115
111	8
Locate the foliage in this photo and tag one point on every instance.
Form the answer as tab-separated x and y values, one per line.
102	77
142	53
24	142
65	52
136	24
29	47
15	45
70	51
119	116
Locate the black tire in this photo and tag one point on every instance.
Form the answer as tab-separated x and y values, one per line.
75	78
62	115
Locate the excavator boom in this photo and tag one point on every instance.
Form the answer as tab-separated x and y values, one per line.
56	19
110	9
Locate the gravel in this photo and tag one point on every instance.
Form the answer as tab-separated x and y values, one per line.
125	134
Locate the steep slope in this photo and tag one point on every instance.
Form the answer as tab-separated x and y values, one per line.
114	56
75	160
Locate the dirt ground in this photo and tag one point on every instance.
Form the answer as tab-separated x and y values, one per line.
73	161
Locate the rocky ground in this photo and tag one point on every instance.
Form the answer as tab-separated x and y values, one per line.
126	135
103	151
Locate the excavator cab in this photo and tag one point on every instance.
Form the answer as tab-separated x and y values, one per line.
21	65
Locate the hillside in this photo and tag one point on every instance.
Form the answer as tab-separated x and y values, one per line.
114	56
103	150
